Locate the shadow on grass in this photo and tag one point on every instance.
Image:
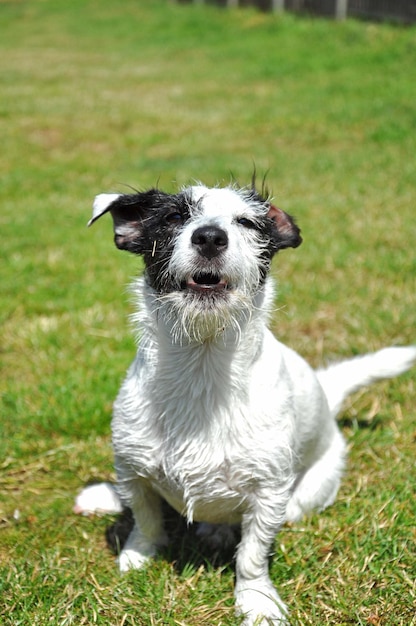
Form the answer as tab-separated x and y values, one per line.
355	423
185	546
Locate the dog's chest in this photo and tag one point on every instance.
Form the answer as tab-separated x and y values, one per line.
199	470
182	427
192	436
201	489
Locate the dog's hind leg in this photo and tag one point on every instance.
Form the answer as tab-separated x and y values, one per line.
147	533
318	486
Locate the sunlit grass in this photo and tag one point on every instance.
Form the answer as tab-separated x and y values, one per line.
95	97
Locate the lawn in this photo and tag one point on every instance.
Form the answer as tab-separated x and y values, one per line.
100	96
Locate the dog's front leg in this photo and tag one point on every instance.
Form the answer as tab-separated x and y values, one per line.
147	533
256	597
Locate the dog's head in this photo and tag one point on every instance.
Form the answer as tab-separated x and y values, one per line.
207	251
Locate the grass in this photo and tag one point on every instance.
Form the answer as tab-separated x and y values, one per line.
96	96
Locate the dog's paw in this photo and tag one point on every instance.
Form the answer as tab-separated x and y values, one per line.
131	559
139	549
260	604
100	499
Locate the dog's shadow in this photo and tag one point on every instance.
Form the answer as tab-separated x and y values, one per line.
185	547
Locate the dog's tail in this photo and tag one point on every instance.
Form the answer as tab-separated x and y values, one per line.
339	380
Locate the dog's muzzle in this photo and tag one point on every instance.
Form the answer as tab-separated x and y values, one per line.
210	242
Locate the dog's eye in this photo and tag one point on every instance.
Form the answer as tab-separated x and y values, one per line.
174	218
244	221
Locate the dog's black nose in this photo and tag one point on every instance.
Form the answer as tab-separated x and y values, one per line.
210	240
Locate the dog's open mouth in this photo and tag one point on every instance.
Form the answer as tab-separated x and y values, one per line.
206	283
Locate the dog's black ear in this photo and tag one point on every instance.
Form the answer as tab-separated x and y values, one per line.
128	212
286	232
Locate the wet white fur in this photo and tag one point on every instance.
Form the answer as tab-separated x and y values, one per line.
223	421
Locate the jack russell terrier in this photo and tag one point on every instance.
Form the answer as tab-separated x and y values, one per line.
215	416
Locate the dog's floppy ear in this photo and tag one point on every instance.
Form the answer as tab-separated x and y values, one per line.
102	204
128	212
286	233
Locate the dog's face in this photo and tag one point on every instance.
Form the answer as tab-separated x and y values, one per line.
207	251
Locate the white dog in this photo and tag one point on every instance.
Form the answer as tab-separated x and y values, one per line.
216	416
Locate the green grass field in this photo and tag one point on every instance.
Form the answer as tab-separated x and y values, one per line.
96	96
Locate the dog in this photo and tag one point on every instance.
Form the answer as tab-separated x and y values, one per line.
216	416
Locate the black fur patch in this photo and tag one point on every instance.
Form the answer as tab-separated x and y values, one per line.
147	223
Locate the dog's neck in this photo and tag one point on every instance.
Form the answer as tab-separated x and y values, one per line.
213	374
221	361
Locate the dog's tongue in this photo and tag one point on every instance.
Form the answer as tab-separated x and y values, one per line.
206	282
